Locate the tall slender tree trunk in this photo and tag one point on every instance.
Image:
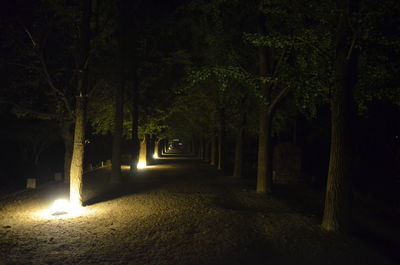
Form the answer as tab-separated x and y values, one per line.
117	137
157	149
135	125
264	169
143	153
207	151
201	148
238	163
166	145
76	184
150	148
213	159
264	165
161	148
221	142
337	211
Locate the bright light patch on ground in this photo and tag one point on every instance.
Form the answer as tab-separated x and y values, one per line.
141	165
155	156
61	209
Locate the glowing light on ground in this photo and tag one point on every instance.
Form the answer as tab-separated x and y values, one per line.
141	165
155	156
61	209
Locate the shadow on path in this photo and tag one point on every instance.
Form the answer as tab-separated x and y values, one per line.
165	171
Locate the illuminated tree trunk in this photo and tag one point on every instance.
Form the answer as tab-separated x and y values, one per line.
337	211
143	154
237	169
156	149
166	145
76	184
213	159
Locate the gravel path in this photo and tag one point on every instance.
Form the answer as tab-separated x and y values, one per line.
179	212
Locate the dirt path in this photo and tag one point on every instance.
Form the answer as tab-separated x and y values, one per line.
180	212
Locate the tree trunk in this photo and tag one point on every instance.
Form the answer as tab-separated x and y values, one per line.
150	149
337	211
201	148
237	170
221	140
213	160
135	126
166	146
157	149
68	139
264	163
143	154
76	184
207	151
221	146
264	166
117	139
161	148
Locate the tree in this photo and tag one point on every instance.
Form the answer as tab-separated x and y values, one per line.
76	185
350	36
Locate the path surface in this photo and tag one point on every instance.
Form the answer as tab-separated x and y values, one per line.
180	212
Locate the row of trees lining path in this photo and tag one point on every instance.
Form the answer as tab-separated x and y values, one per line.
181	211
189	73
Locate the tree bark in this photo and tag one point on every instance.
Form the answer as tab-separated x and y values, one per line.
201	148
213	159
237	169
76	184
150	148
337	211
157	149
221	143
143	153
264	169
268	107
264	165
135	126
207	151
117	138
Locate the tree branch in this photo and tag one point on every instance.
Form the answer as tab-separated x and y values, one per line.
48	77
278	99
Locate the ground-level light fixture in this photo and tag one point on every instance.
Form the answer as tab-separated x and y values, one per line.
60	207
141	165
155	156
